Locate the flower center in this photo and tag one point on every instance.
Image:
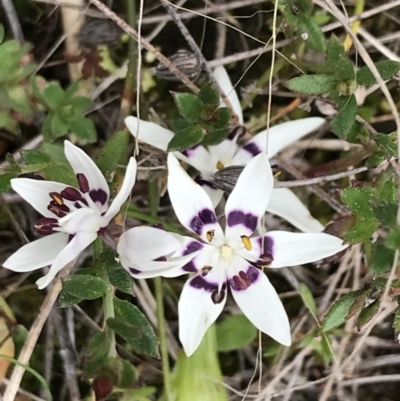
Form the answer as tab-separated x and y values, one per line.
226	252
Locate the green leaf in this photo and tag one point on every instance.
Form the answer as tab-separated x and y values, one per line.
367	314
308	299
113	151
361	231
347	111
386	68
61	174
393	239
388	143
84	129
381	260
7	122
81	286
179	124
32	156
53	95
190	106
127	373
358	200
209	95
316	38
71	91
1	33
215	137
97	352
236	331
58	126
386	213
5	185
56	152
186	138
338	312
223	115
133	327
315	84
337	60
80	103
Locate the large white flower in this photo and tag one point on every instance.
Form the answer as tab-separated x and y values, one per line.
283	202
223	258
72	218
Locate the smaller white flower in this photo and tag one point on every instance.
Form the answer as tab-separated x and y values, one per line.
223	258
72	218
206	160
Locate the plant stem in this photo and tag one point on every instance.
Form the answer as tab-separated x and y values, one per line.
162	332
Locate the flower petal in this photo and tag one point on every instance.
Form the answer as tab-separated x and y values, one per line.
224	82
81	220
198	157
223	153
197	312
37	192
90	178
280	136
286	204
149	132
214	194
262	305
249	199
78	243
124	192
293	249
37	254
192	205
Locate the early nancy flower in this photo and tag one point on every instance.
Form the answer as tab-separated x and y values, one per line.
206	160
72	218
222	259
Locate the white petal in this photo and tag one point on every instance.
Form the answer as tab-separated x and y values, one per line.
78	243
286	204
124	192
37	254
199	158
263	307
280	136
197	312
292	249
81	163
36	192
222	78
85	219
192	205
223	152
214	194
149	132
249	199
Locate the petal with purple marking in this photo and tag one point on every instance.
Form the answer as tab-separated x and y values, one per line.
199	306
124	192
37	254
284	203
77	244
192	205
149	132
249	199
198	157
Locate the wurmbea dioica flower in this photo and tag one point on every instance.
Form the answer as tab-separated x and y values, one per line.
72	218
206	160
223	258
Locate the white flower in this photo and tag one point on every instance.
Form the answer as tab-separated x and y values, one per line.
283	202
223	258
72	218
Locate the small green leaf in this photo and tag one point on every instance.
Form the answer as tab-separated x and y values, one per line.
186	138
315	84
179	124
367	314
84	129
376	159
393	239
347	111
53	95
82	286
58	126
236	331
190	106
133	326
337	60
361	231
381	260
209	95
32	156
386	68
215	137
388	143
56	152
315	36
308	299
127	373
5	185
97	352
7	122
80	103
62	174
386	213
338	312
358	200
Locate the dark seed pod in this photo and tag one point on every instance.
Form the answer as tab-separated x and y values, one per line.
185	61
98	31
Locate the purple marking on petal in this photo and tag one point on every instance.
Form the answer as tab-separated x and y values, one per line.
244	280
134	271
238	131
189	152
161	259
192	247
237	217
266	245
252	148
98	195
46	225
71	194
204	217
190	267
83	182
201	284
204	183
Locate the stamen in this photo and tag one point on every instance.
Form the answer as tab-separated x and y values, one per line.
83	182
71	194
240	282
210	235
217	297
220	165
265	260
56	198
45	226
205	270
246	242
58	210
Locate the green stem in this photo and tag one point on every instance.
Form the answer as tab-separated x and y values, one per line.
162	331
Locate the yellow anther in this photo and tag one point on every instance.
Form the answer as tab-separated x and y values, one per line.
205	270
220	166
277	174
210	235
57	198
246	242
